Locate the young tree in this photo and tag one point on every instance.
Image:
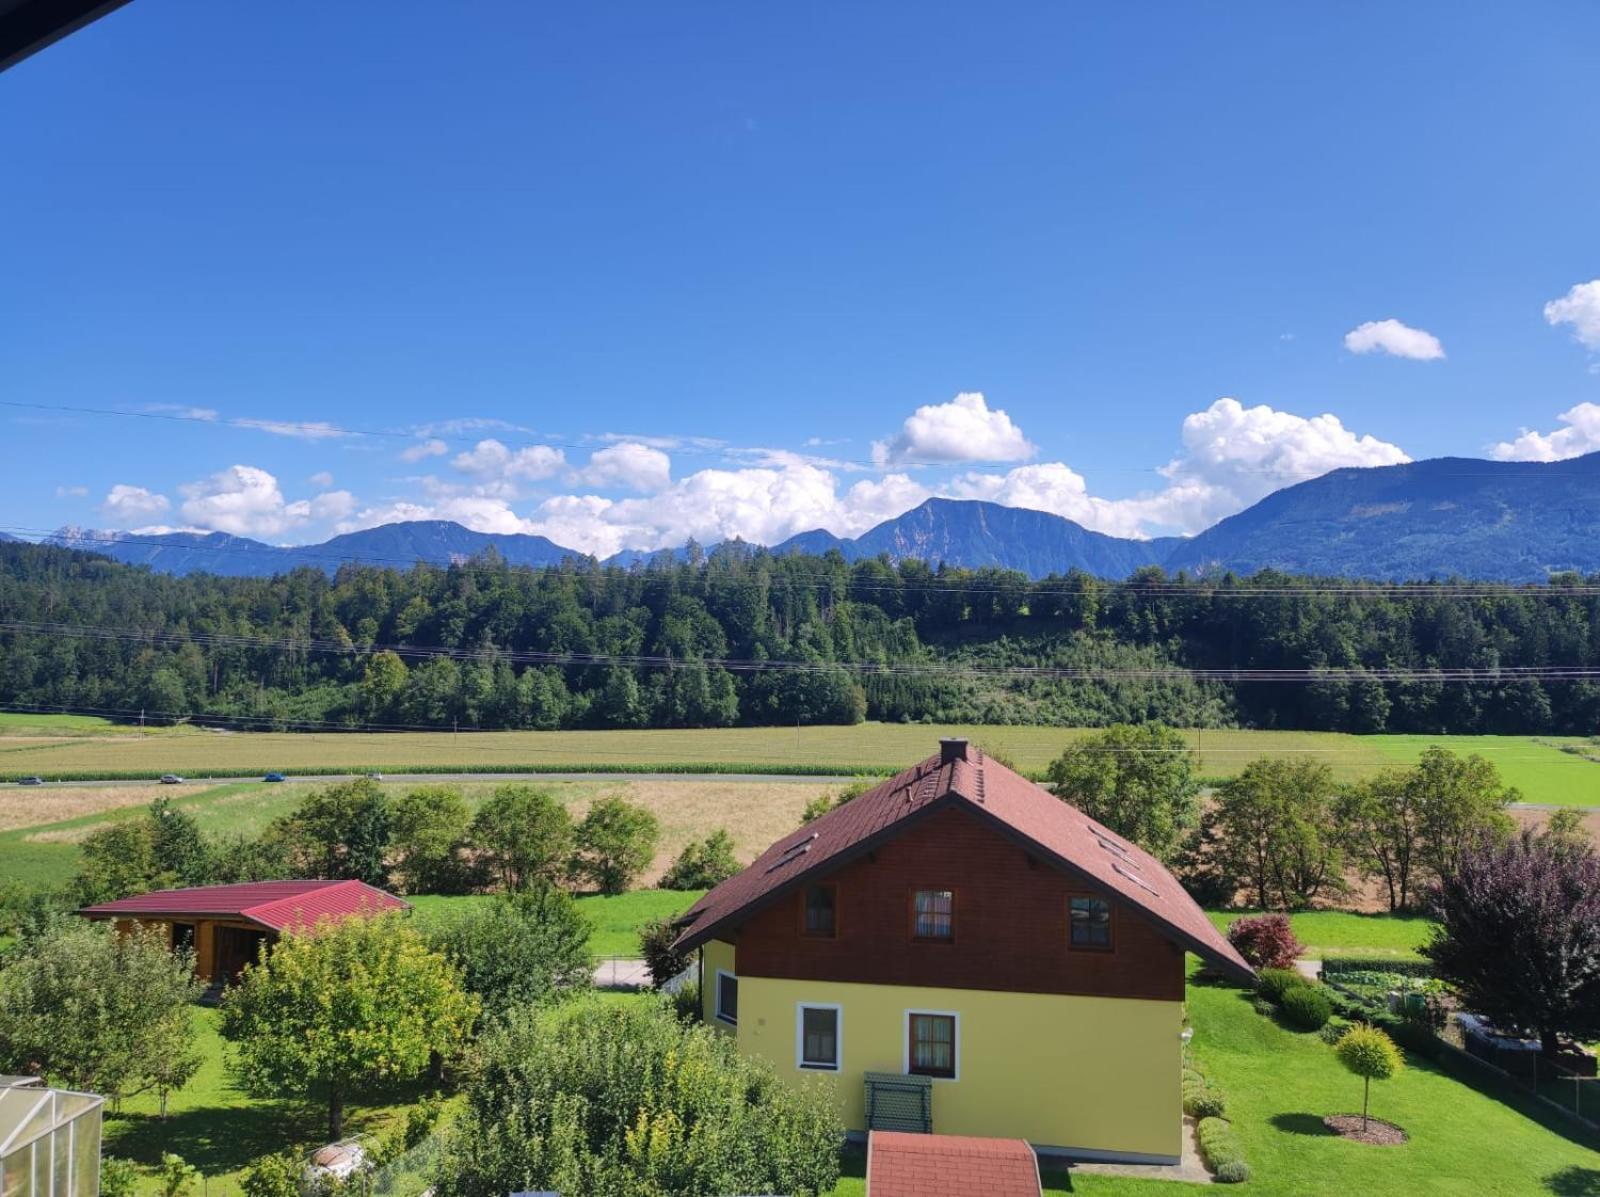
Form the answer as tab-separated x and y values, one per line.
1383	829
1276	828
1519	936
331	1012
116	861
615	843
94	1009
340	832
1460	801
524	836
428	834
1137	780
655	948
181	855
382	682
703	863
1372	1056
522	948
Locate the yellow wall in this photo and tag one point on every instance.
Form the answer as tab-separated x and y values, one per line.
1100	1074
716	954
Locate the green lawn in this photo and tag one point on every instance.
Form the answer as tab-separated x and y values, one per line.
616	919
1536	766
219	1129
1344	933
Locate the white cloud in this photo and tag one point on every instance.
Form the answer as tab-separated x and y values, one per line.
71	492
1581	435
489	459
183	412
243	500
1059	489
628	464
965	429
433	447
124	503
305	430
322	480
1395	339
1579	307
332	505
481	513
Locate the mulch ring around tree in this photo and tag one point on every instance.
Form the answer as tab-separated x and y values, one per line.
1379	1133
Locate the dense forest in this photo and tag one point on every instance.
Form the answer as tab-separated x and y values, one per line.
474	641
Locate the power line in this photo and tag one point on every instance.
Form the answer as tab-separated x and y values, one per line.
865	669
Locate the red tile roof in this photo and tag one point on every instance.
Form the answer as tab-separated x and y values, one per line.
1057	830
278	905
907	1165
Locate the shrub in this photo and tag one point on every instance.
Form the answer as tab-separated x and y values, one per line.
1265	941
1372	1056
655	946
1263	1007
1199	1099
1273	983
275	1175
522	947
603	1100
703	864
177	1177
1306	1008
119	1178
686	1002
615	843
1221	1149
1333	1031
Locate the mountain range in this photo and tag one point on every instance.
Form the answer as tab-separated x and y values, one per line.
1491	520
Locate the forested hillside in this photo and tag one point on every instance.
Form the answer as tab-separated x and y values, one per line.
699	639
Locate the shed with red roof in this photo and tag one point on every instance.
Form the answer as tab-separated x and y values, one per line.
227	925
959	950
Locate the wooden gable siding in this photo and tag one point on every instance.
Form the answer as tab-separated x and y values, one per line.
1010	923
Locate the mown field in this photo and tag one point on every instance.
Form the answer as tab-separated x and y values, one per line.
1538	766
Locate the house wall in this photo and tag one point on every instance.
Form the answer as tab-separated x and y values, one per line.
717	954
1100	1075
1010	923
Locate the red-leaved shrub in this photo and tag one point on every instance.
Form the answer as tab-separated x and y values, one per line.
1266	941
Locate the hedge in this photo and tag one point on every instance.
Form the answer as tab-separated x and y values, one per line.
1221	1150
1333	966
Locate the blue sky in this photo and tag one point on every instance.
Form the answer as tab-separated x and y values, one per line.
752	256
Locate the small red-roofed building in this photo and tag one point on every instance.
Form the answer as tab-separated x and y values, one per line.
900	1164
960	951
227	925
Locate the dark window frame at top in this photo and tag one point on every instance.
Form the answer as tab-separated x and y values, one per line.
935	916
1098	935
917	1020
831	888
804	1058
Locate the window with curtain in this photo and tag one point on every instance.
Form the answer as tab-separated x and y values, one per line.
821	911
934	914
819	1037
933	1045
1091	922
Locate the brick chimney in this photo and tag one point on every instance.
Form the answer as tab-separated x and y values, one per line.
952	749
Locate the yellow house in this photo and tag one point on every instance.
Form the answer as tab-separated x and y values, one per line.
958	950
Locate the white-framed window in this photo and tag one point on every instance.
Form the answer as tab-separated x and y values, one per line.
819	1036
727	998
932	1040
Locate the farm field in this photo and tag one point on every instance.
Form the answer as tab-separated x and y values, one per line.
1537	766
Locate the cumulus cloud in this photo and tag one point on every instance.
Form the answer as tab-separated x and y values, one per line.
322	480
1579	307
1059	489
1581	435
965	429
1395	339
490	459
124	503
432	447
332	505
481	513
628	464
242	500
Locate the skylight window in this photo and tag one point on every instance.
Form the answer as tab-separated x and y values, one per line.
1135	878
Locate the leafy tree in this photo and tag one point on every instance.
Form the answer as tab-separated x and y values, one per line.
823	803
115	861
522	948
331	1013
179	848
655	948
239	857
120	1178
1565	826
615	843
1519	936
1138	781
1460	801
177	1177
1372	1056
524	836
603	1100
94	1009
1277	829
339	832
428	833
703	863
382	682
1383	828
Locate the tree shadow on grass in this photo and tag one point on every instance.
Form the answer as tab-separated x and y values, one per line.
1301	1124
1574	1181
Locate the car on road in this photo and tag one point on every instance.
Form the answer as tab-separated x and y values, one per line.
374	776
171	779
30	781
273	776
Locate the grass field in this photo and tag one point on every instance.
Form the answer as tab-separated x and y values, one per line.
1330	933
1536	765
616	918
